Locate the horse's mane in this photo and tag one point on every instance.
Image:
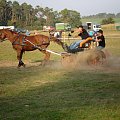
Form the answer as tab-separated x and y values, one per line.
10	30
14	32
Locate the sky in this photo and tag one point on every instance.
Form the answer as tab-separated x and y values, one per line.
84	7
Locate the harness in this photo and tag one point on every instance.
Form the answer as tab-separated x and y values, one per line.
15	42
24	40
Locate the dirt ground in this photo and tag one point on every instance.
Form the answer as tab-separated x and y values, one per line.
80	61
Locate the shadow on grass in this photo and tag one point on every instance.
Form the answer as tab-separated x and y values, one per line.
65	95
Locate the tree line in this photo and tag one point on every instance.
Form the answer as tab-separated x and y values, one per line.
103	15
26	16
107	18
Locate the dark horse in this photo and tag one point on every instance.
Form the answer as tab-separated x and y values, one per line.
22	43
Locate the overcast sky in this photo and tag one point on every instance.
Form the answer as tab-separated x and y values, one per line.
85	7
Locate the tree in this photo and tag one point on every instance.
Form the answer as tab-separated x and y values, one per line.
50	17
70	16
101	15
16	13
5	12
40	17
25	15
46	16
118	15
110	20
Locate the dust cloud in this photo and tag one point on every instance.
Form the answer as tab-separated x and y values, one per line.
88	60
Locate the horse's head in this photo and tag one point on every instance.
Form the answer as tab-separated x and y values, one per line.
57	38
3	35
6	34
51	36
55	35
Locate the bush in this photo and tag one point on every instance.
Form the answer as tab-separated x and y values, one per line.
108	21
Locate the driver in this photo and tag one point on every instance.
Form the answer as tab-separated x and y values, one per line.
76	46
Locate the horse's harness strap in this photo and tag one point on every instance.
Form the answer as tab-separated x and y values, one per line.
23	41
15	42
45	44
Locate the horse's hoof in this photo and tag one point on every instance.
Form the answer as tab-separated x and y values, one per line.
18	66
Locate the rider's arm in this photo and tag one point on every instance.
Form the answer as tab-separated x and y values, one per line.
98	39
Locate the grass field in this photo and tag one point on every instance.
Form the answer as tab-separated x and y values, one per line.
56	93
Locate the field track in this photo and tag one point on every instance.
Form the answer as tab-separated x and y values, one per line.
56	92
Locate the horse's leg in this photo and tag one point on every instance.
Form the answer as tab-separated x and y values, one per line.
46	58
19	57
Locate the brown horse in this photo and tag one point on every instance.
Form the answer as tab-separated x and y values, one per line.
22	43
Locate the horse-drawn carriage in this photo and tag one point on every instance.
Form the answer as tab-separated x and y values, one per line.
22	43
88	49
88	53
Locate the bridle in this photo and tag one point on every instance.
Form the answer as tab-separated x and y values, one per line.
1	40
4	38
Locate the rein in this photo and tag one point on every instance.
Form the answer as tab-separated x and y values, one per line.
31	43
36	46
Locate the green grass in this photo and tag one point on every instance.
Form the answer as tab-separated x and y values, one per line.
49	94
55	93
